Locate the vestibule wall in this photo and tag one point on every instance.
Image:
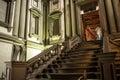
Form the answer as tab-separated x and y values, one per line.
109	18
71	15
110	15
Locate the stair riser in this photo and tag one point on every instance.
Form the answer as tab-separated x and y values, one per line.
76	70
79	64
75	60
79	56
64	77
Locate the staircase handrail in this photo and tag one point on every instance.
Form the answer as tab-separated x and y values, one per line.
37	57
30	68
38	63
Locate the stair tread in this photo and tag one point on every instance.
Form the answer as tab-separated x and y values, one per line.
67	66
89	57
77	67
79	62
73	73
82	49
81	54
75	63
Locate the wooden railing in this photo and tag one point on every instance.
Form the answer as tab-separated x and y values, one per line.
28	70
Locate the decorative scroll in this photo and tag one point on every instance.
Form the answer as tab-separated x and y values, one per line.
19	51
41	61
54	5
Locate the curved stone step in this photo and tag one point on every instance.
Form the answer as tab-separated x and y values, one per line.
73	69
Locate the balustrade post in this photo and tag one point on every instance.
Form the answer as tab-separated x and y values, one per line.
59	49
16	70
106	62
68	45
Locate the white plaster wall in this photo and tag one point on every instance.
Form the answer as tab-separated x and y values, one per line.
5	55
32	52
5	31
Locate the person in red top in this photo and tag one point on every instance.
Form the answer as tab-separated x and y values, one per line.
89	34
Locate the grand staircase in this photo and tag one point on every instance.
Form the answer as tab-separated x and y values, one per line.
80	63
84	61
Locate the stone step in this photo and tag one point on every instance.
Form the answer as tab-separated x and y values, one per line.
81	52
72	69
77	58
88	58
68	65
69	76
84	49
89	61
75	62
78	64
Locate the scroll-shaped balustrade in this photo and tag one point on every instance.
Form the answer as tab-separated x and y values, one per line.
41	61
26	70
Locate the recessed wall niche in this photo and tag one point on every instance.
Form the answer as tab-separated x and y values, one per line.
54	5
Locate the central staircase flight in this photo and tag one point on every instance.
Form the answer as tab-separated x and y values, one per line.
80	63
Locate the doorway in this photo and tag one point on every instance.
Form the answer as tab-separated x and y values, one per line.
92	26
91	20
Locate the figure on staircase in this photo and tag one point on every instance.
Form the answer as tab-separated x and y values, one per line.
98	33
89	34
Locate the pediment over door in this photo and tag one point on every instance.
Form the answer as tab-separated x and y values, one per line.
55	14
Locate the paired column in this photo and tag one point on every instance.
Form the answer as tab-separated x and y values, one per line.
16	18
19	18
22	19
110	16
72	17
104	25
45	22
68	19
116	5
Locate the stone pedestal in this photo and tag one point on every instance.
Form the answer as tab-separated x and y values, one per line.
106	62
16	70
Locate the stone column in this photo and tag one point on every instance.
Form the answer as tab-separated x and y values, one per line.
110	16
22	19
76	17
45	22
72	17
65	18
16	18
104	25
116	5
